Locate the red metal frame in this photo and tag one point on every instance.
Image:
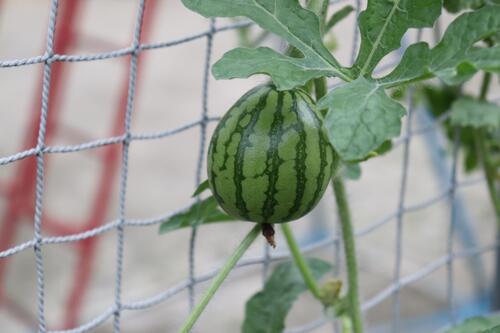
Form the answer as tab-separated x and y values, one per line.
19	193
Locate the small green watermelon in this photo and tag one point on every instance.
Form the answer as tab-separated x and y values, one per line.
269	159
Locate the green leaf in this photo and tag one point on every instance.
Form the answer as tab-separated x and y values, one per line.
384	148
439	101
454	59
338	16
205	185
286	72
455	6
439	98
478	325
265	312
486	59
383	24
285	18
203	212
477	114
361	117
413	65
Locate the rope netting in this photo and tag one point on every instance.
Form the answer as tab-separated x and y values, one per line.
125	137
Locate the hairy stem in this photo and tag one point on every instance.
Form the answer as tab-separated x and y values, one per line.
300	261
350	254
221	276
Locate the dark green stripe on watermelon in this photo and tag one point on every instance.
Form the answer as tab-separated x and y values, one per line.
300	161
269	159
273	160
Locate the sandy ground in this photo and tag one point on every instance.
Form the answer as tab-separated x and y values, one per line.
161	179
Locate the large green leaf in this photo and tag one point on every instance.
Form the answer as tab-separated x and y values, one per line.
455	6
287	19
456	72
455	59
414	64
474	113
361	117
383	24
286	72
266	311
478	325
486	59
202	212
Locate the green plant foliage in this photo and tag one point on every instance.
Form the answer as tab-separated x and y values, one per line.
455	6
465	112
285	18
413	65
439	101
383	24
477	114
205	185
361	117
266	311
203	212
360	120
286	72
478	325
455	59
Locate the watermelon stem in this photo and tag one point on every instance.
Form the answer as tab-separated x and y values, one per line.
268	233
220	277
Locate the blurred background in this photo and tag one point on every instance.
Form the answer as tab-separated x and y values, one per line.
87	102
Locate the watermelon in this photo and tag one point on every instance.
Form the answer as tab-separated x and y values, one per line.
269	159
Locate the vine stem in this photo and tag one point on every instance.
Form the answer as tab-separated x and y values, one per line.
350	254
300	261
489	170
354	305
347	234
220	277
488	167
